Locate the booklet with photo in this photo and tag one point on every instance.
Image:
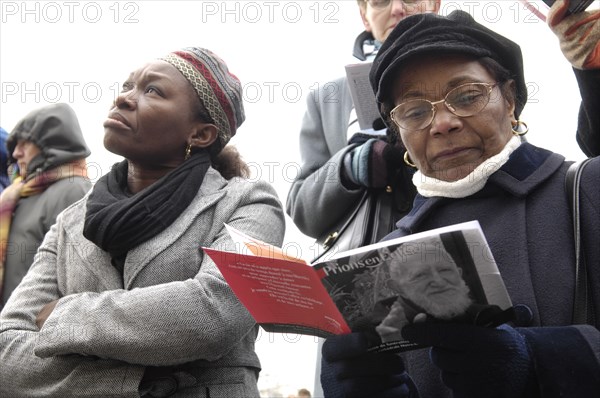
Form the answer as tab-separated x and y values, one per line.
540	8
443	275
362	94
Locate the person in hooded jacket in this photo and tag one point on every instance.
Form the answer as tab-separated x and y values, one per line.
46	155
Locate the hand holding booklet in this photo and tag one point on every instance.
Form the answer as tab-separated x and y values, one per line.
540	8
443	275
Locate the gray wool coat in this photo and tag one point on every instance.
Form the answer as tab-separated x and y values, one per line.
170	306
317	193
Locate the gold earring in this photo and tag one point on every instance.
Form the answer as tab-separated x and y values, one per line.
520	128
407	160
188	152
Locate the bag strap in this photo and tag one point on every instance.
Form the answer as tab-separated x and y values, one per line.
332	237
582	305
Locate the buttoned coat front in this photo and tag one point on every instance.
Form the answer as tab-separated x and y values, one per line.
169	307
524	213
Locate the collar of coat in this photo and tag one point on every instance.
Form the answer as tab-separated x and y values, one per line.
365	46
526	169
211	191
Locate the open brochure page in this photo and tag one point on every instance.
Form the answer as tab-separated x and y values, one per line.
447	274
362	94
257	247
283	296
443	275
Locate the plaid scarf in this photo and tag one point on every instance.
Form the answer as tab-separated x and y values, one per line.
34	185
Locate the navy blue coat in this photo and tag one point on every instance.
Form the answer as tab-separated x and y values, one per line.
588	123
524	213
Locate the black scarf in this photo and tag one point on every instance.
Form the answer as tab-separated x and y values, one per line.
118	222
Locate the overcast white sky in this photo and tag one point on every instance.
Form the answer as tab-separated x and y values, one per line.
80	52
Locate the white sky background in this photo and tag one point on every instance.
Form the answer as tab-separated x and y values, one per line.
80	52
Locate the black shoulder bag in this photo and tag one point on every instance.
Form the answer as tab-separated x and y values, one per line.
583	307
371	219
374	215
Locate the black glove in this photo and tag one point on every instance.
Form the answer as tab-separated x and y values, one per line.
477	361
372	163
349	370
164	381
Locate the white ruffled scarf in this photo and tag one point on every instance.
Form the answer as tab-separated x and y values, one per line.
474	182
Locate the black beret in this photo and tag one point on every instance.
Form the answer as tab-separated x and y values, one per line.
457	33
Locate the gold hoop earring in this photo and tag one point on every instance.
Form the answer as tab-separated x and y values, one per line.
520	128
407	160
188	152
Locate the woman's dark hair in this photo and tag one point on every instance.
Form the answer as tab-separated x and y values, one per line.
226	160
229	163
498	72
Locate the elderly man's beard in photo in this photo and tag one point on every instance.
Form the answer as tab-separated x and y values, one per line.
444	306
447	304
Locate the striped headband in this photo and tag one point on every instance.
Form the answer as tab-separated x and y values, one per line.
219	90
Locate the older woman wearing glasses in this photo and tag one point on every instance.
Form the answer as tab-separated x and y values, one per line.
452	91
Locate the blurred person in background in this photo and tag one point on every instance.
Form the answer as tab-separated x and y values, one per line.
46	153
304	393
